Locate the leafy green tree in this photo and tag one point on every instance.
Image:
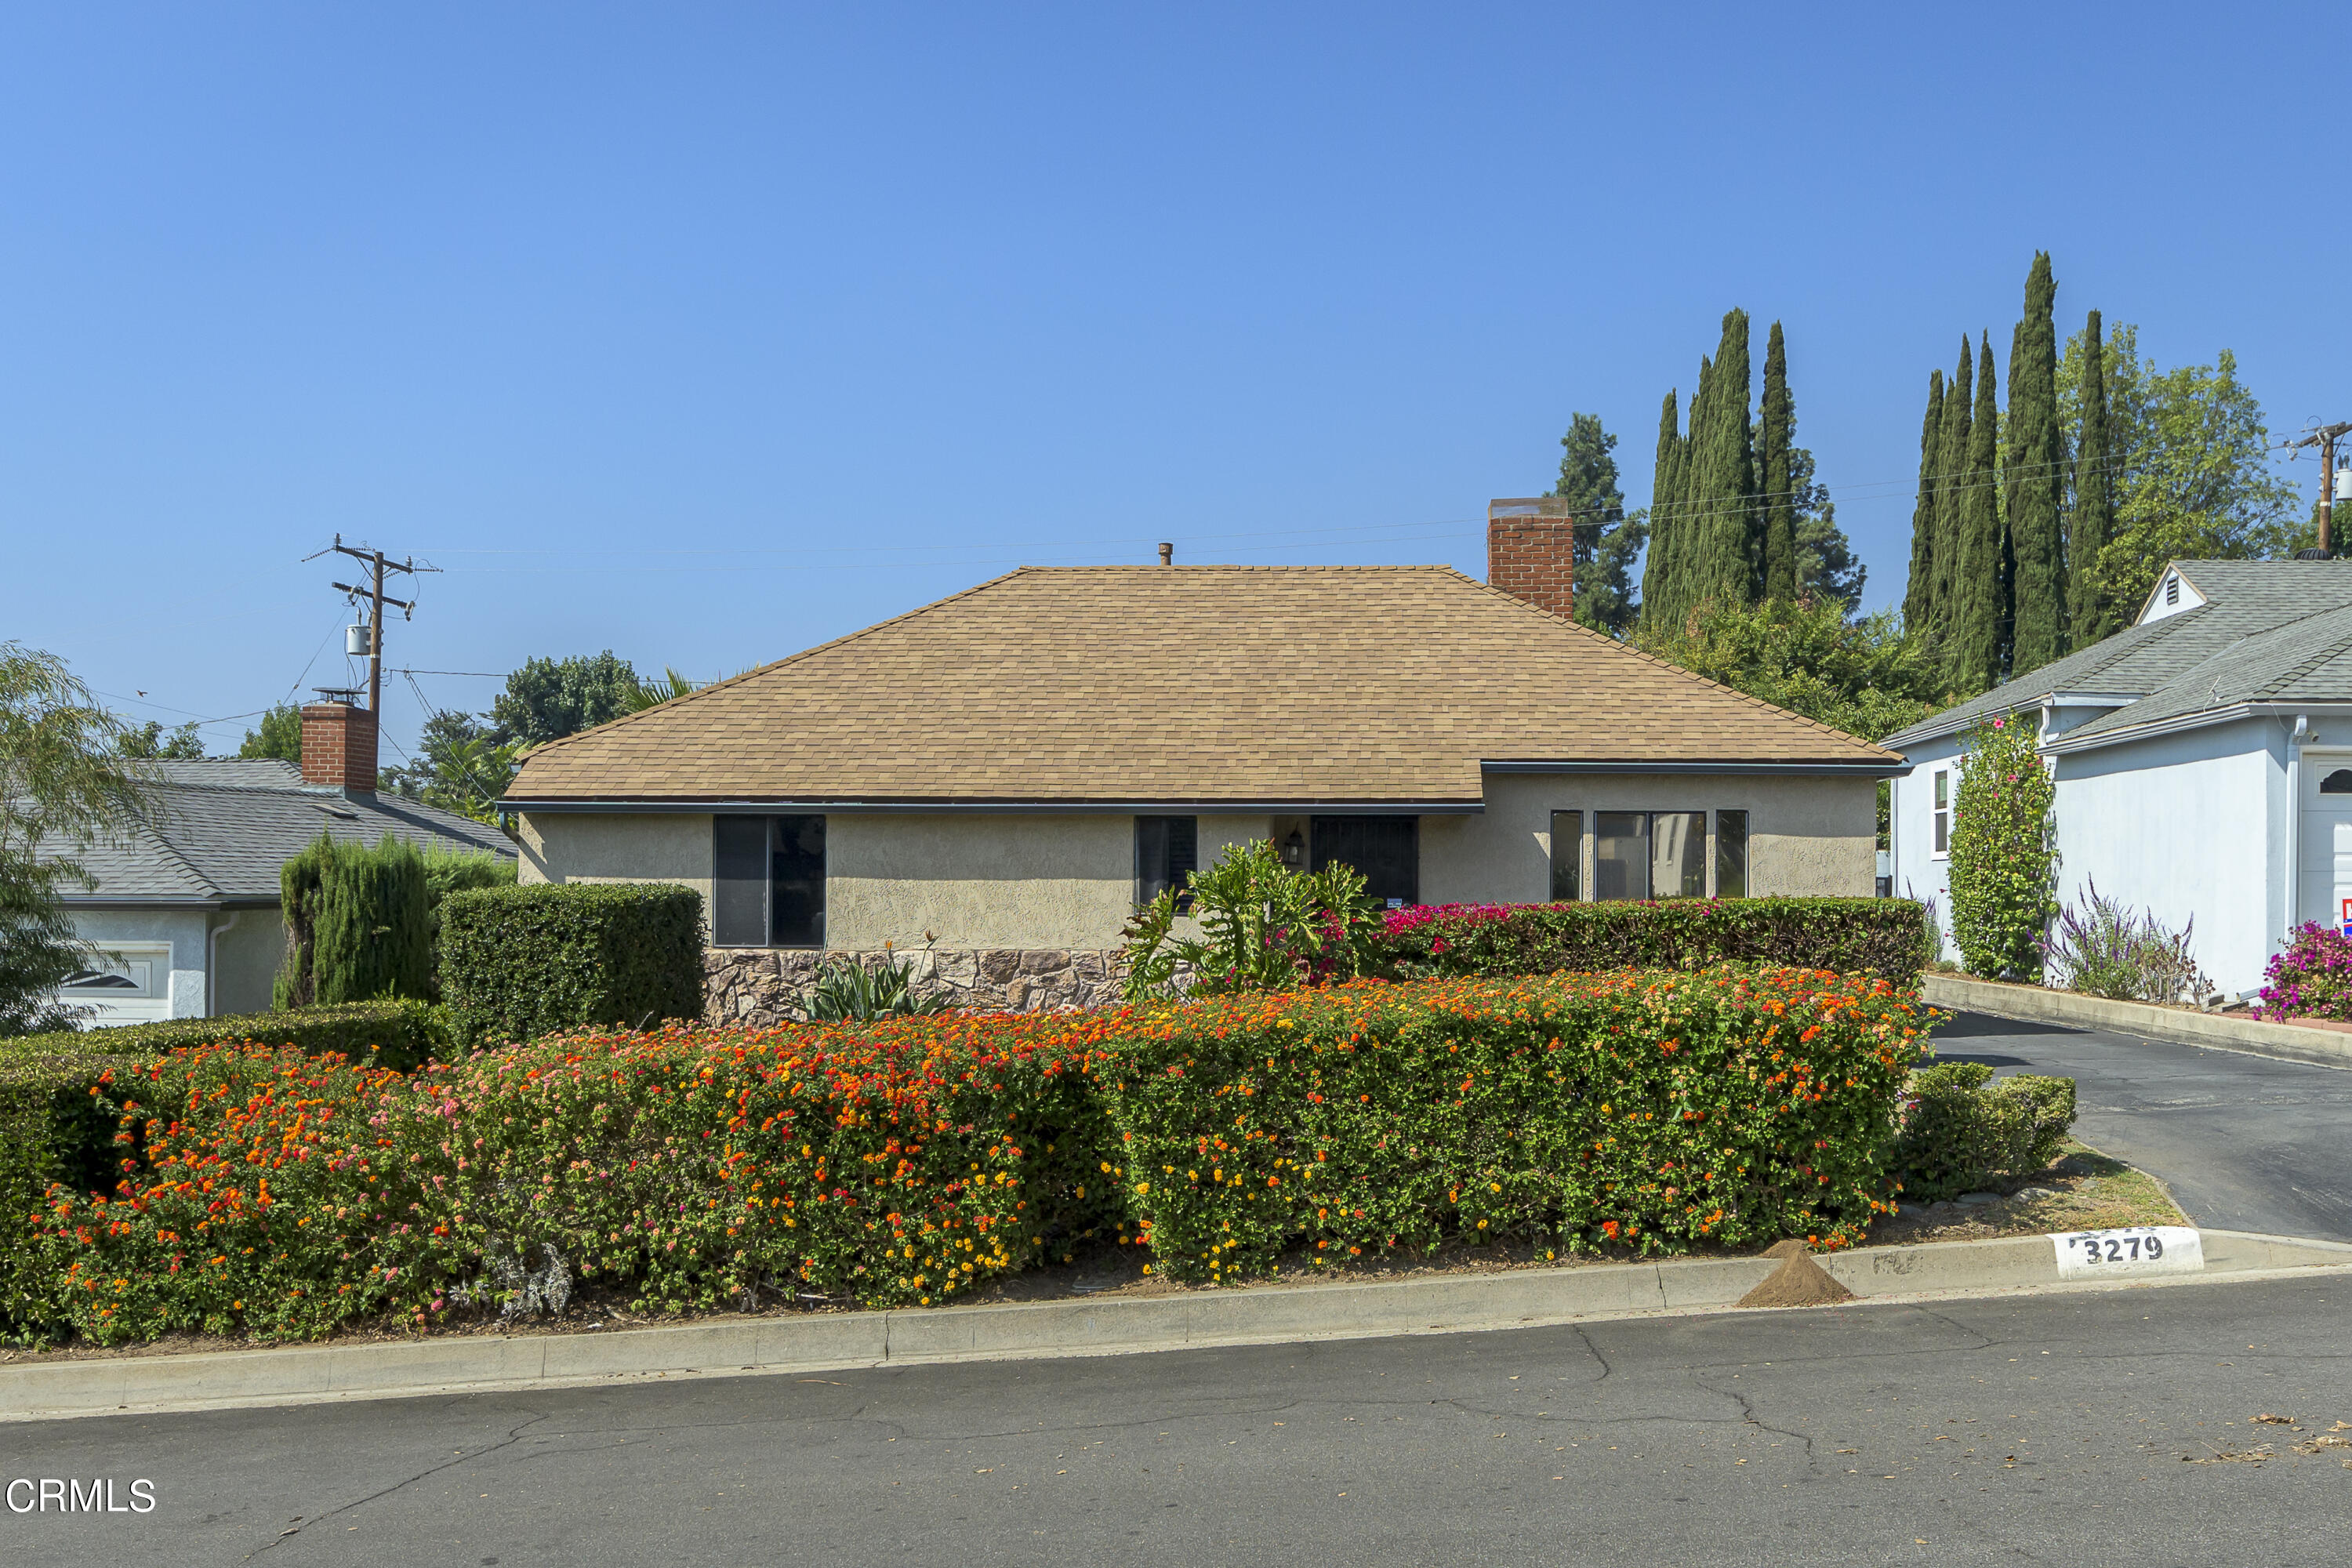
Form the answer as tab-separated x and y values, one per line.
2191	467
63	788
2091	517
2034	471
1862	675
1607	539
151	743
548	698
2004	851
1826	564
1980	612
1919	589
280	736
1776	483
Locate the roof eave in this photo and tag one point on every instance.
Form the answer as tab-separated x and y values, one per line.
708	806
2199	718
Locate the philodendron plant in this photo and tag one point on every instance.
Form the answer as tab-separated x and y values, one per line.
1263	926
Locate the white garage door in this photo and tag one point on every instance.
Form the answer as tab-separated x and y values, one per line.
2324	870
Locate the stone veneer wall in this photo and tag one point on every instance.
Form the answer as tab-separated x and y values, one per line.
760	986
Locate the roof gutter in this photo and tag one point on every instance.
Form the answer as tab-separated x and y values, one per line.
2202	718
1895	769
1938	727
675	807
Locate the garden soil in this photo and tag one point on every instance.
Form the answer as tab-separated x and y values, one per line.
1798	1282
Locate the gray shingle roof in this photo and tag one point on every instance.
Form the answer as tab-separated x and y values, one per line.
223	830
2268	617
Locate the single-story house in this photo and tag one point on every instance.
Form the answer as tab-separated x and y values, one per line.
995	781
186	913
2202	756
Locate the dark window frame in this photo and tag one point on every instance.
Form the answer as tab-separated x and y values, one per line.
755	897
1167	851
1394	876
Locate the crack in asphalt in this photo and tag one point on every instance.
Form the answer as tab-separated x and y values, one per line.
301	1525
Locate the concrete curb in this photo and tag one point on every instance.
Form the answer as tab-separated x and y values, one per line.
2223	1031
1118	1326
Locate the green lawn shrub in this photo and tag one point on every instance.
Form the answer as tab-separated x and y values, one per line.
57	1131
401	1035
1964	1129
2003	869
1649	1111
553	958
357	926
1886	937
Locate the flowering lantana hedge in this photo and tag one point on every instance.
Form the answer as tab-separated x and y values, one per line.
1874	936
270	1193
1652	1111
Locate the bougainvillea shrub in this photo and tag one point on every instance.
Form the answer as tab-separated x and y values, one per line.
1640	1109
1874	936
2312	978
274	1194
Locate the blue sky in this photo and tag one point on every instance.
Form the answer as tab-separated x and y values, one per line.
707	333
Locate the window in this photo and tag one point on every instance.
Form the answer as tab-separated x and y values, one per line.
1943	838
768	882
1730	854
1166	852
1385	851
2338	783
1567	856
1649	855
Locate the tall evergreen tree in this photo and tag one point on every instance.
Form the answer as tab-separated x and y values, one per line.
1919	591
1776	481
1979	613
2034	471
2094	519
1665	516
1952	492
1606	539
1721	564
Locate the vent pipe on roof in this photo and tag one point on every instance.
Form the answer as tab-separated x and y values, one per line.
1167	553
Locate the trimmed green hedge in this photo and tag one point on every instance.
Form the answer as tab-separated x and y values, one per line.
401	1035
1886	937
55	1127
1961	1133
521	963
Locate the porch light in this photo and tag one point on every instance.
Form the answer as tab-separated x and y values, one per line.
1293	849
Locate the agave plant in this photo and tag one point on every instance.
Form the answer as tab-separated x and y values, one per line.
847	991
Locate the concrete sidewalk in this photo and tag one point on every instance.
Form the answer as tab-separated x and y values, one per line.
1271	1314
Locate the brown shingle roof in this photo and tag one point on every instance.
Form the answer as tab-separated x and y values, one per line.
1346	685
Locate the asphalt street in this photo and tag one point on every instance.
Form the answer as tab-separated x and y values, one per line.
2057	1427
2244	1142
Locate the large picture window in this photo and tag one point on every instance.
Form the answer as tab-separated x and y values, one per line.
768	881
1384	850
1649	855
1167	851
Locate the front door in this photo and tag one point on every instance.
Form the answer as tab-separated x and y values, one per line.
2324	838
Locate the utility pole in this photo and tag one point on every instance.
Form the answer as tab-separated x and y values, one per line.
372	591
2325	438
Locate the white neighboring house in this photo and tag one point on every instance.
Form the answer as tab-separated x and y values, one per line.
2203	759
187	910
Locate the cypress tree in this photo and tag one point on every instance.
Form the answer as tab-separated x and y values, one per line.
2035	471
1665	517
1979	611
358	924
1952	493
1920	591
1721	565
2093	520
1779	502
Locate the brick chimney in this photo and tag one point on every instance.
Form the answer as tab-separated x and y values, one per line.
339	746
1531	552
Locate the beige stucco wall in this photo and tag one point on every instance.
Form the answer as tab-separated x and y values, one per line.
1806	836
566	846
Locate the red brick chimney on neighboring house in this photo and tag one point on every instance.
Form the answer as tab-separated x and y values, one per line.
339	746
1531	552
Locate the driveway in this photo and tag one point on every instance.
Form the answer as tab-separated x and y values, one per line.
2246	1143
